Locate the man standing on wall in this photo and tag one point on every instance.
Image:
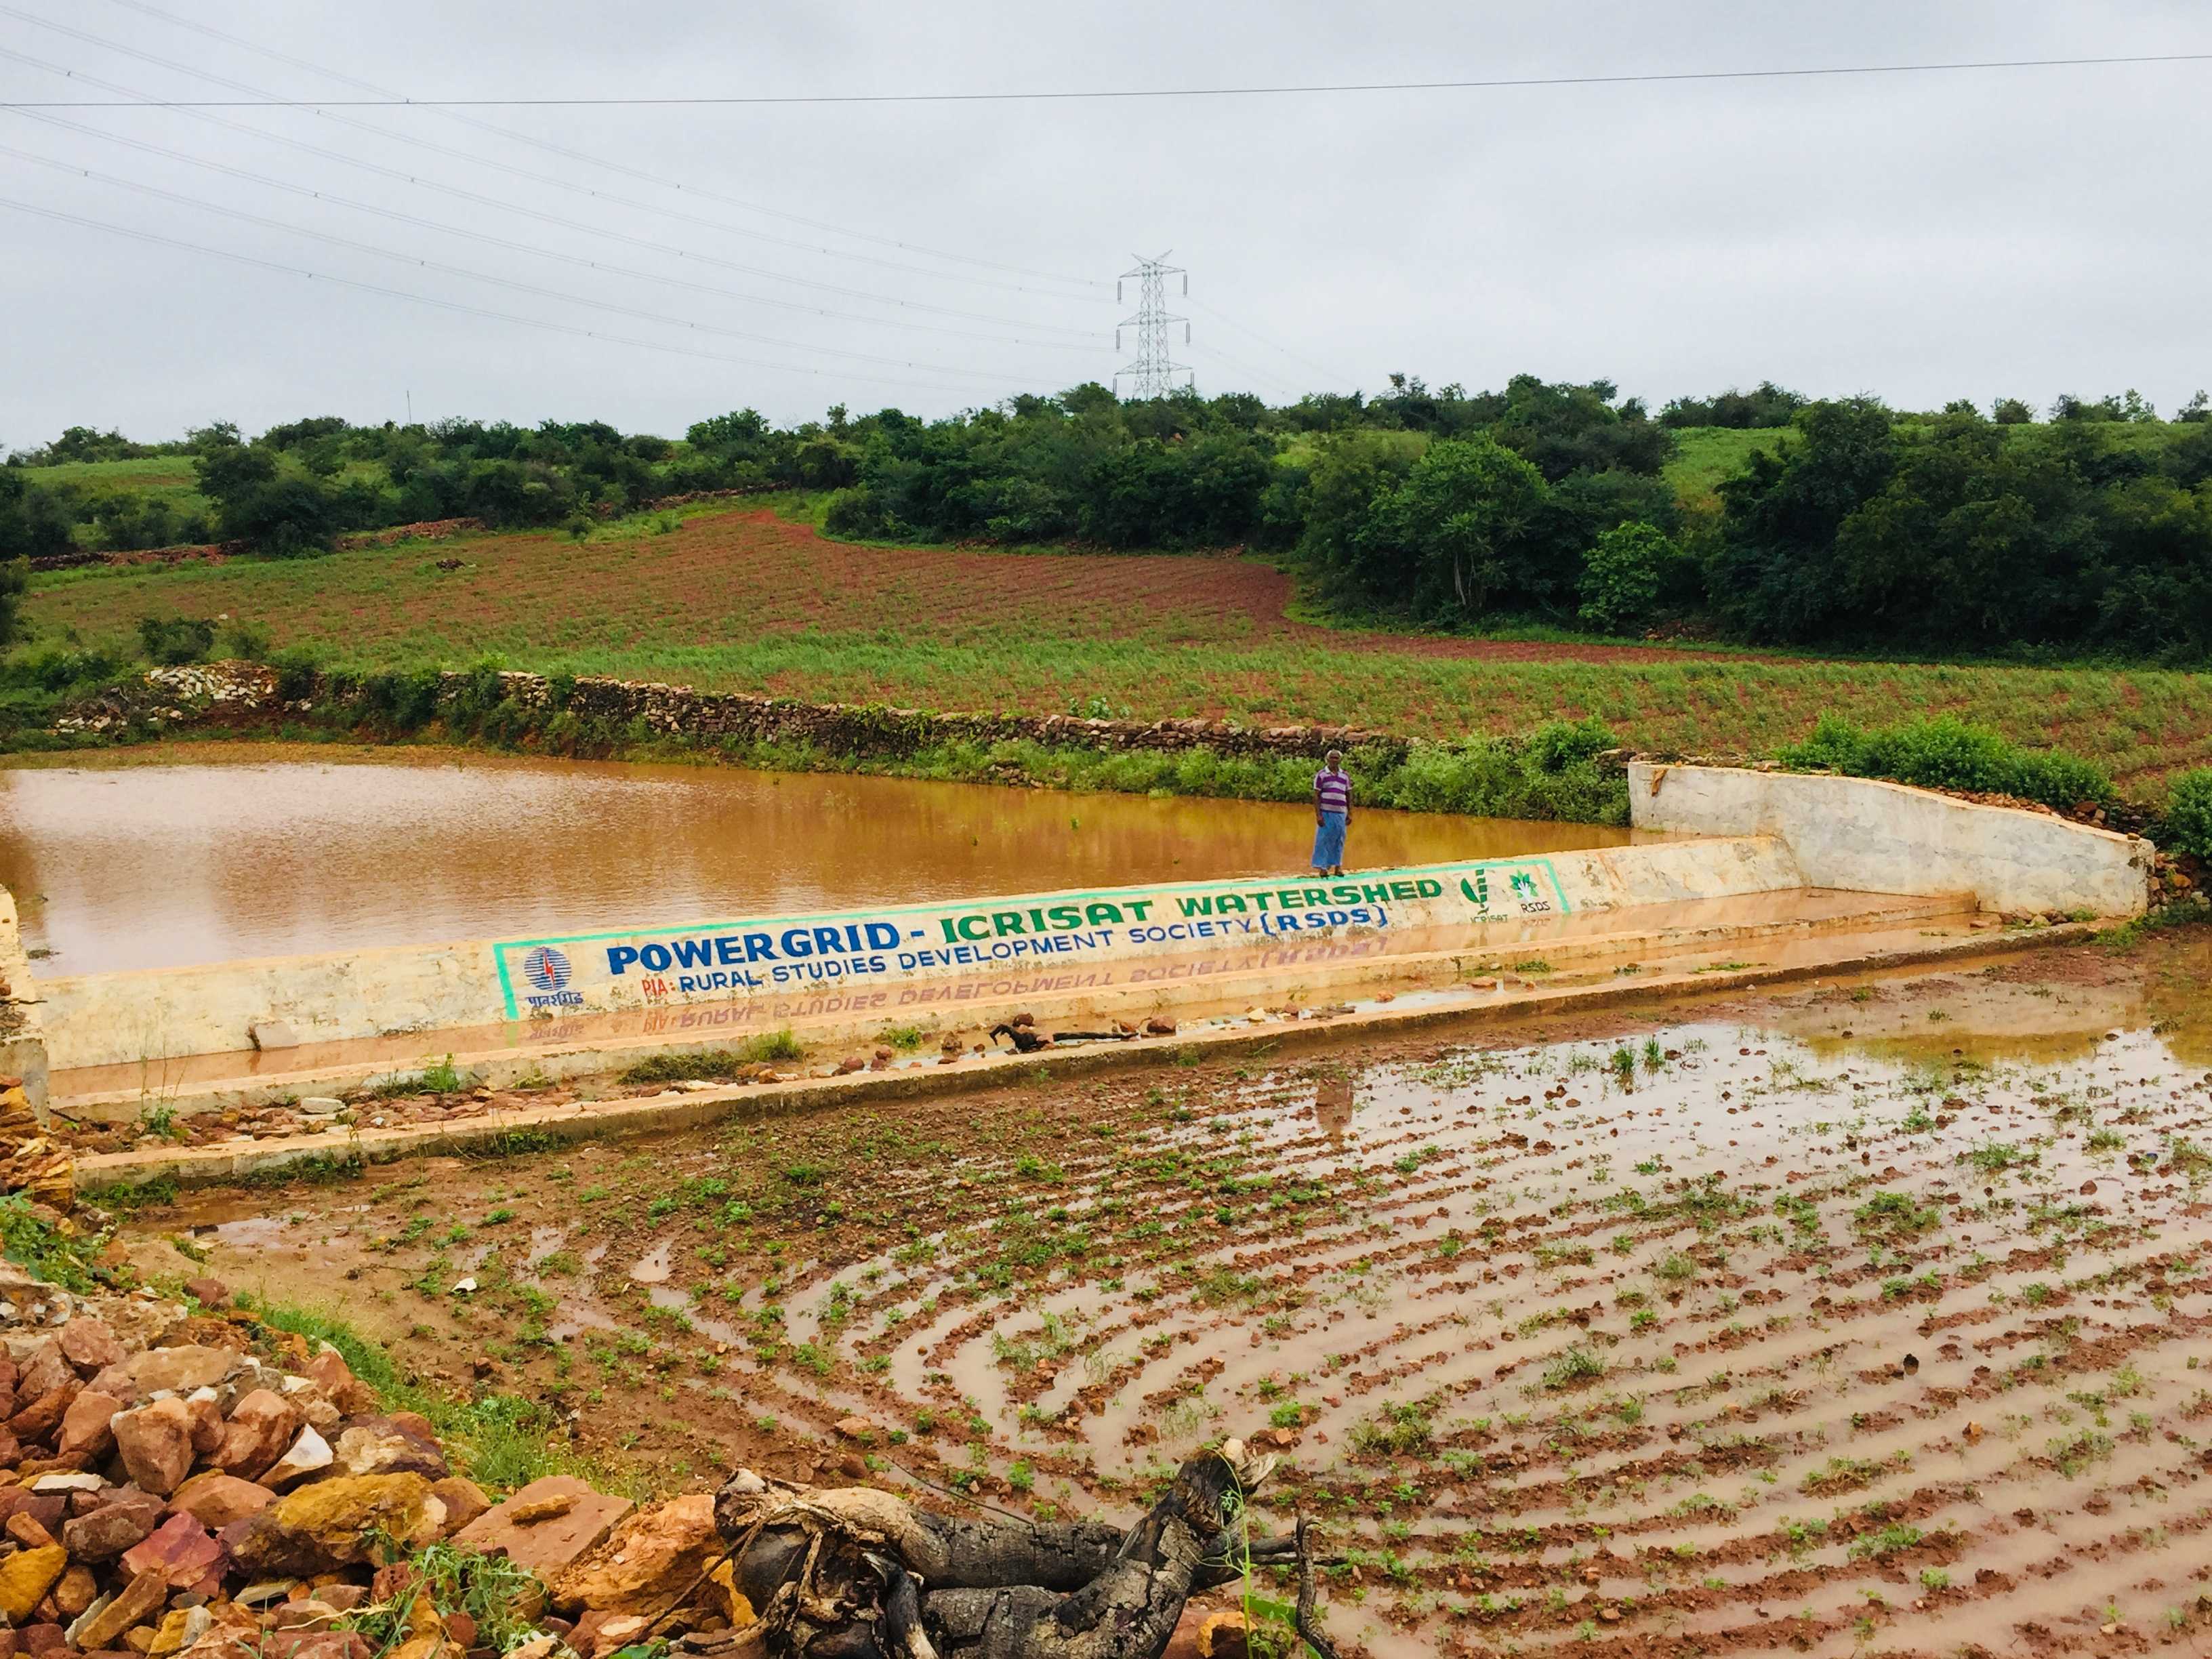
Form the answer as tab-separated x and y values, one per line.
1332	815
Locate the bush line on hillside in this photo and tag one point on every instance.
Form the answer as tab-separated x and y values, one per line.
1563	770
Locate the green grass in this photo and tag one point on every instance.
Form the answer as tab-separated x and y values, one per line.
500	1440
170	477
1704	455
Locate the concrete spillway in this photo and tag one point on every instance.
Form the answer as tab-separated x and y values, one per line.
1806	869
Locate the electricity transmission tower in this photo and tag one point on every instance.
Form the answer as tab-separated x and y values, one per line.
1153	369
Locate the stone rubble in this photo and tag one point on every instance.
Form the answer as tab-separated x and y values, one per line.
201	1484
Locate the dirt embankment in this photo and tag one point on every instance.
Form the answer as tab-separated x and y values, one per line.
1870	1313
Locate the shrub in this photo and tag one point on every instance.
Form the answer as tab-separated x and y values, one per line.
248	641
1947	753
170	641
2188	815
1623	576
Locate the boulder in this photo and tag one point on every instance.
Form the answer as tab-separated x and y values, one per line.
182	1550
208	1426
208	1291
308	1454
155	1444
646	1561
218	1500
330	1373
107	1619
327	1525
464	1499
75	1590
179	1630
39	1418
546	1542
179	1370
389	1445
84	1426
261	1427
117	1381
46	1369
25	1578
88	1345
113	1528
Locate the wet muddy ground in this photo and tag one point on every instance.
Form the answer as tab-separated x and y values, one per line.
1867	1316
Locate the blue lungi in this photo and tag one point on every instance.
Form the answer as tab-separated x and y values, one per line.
1328	841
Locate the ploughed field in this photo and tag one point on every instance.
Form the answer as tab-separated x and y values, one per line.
747	601
1871	1314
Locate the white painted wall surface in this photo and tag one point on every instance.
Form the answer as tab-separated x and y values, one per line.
1879	837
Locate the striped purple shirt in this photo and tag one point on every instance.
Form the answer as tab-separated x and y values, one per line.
1333	791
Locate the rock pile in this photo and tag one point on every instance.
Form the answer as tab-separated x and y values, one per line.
31	1162
205	1485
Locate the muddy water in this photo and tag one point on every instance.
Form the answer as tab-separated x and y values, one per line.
157	865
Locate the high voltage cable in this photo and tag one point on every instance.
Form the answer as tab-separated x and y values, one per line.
552	148
549	180
1273	345
1288	89
493	202
487	238
484	277
464	307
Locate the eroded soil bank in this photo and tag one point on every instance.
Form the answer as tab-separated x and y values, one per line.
1873	1312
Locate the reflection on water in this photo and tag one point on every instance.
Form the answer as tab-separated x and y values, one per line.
156	866
1333	1108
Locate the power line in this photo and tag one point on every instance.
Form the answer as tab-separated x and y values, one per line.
486	237
462	306
552	148
493	202
549	179
1496	83
484	277
1218	315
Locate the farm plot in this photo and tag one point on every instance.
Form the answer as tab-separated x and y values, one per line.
748	601
1867	1315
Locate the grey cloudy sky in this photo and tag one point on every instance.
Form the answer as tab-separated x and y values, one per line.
1924	237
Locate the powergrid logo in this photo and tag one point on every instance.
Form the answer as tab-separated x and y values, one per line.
547	972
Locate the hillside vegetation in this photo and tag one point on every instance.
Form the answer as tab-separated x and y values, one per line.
742	598
1753	515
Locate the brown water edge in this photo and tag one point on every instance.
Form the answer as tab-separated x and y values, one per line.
1802	1312
187	854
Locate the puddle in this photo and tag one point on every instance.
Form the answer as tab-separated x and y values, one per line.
153	866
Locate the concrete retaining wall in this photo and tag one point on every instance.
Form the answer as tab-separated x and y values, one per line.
22	1038
1879	837
122	1019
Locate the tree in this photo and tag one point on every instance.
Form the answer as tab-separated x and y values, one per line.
1624	575
1774	575
1455	535
34	522
14	578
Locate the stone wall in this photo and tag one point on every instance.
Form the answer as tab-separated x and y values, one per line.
237	693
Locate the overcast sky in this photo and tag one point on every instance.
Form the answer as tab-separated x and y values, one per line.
2024	231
